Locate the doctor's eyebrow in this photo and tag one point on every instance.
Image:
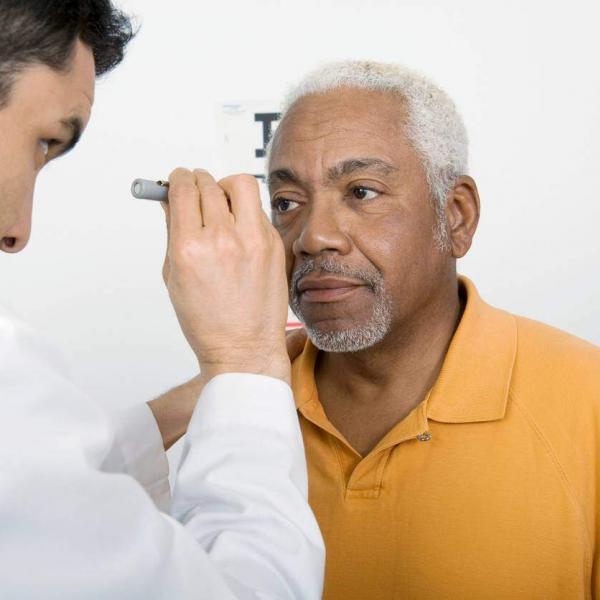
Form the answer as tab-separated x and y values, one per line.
75	126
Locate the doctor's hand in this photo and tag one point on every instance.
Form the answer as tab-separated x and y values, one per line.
225	273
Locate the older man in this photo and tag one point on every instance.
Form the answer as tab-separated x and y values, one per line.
452	446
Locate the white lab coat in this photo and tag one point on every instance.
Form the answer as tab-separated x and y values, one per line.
75	524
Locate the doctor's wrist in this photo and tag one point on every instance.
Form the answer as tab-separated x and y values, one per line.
275	364
174	409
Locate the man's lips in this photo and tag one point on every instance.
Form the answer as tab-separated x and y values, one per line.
327	289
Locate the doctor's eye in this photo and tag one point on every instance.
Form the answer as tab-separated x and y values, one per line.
47	144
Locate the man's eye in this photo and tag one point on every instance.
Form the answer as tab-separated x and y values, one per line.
283	205
364	193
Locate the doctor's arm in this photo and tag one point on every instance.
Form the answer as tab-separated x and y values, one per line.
70	530
173	410
145	432
243	528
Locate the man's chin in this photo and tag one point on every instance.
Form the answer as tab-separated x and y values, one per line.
345	326
332	337
332	326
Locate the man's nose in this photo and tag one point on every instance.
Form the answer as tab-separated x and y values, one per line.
322	231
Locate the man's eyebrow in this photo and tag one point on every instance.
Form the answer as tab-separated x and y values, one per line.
282	176
75	125
349	166
345	167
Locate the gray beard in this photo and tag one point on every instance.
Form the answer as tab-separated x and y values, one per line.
361	336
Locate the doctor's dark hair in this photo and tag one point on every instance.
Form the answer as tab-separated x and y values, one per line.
45	32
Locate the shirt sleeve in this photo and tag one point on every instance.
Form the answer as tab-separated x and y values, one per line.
241	526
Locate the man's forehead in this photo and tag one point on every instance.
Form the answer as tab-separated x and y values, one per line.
346	108
340	124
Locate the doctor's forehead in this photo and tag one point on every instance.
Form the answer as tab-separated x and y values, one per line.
41	91
76	87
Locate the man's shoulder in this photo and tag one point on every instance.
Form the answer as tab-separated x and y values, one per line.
540	345
554	367
555	388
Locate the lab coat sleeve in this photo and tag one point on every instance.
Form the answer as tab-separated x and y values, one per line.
70	530
138	451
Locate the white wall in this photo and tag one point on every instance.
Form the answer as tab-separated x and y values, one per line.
524	73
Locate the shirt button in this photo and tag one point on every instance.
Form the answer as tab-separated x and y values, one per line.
424	437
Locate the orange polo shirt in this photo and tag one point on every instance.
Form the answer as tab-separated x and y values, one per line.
489	489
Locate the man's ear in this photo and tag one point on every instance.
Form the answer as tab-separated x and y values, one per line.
462	215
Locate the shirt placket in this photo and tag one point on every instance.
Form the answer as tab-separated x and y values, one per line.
363	476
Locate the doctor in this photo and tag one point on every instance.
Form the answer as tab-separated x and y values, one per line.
77	519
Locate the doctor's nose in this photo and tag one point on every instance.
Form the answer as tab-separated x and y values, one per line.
15	238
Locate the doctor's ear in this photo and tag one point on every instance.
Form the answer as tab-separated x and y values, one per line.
462	215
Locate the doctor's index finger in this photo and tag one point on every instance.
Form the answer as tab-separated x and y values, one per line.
185	216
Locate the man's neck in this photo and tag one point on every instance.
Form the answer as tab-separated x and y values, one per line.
366	393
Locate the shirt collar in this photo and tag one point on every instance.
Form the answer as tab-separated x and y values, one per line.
474	381
475	377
